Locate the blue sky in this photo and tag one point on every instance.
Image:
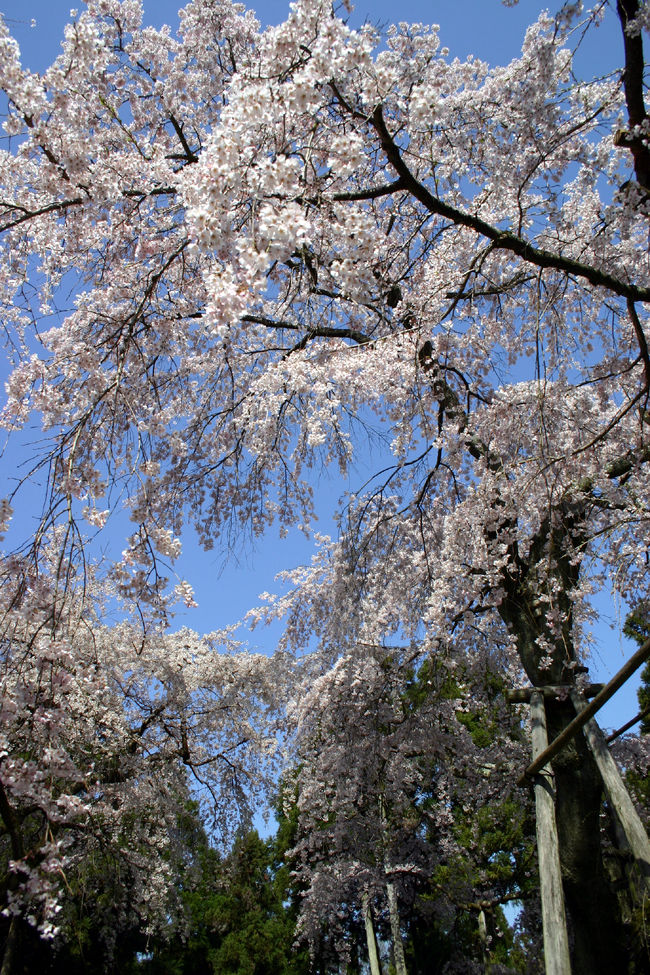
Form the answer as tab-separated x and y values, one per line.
484	28
491	32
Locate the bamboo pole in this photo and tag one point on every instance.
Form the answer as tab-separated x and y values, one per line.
617	794
556	941
580	720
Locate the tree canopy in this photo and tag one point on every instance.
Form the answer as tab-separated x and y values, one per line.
280	246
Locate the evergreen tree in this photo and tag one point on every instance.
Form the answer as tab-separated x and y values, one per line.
457	915
637	627
232	914
239	915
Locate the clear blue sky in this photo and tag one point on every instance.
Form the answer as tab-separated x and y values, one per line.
484	28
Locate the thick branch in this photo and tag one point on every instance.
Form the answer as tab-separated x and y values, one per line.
502	239
190	155
26	214
323	332
372	194
641	339
57	205
633	85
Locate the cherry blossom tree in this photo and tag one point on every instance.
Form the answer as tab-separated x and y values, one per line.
103	731
283	244
393	770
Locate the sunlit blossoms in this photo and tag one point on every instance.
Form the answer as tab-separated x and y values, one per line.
300	248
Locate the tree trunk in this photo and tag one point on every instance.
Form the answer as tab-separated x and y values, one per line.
598	942
620	804
548	576
11	945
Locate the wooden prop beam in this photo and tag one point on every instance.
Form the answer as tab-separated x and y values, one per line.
521	695
580	720
617	794
556	941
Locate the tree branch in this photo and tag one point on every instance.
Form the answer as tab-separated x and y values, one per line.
502	239
627	11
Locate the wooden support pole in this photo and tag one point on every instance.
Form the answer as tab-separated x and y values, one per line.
371	941
395	929
580	720
521	695
556	941
617	794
